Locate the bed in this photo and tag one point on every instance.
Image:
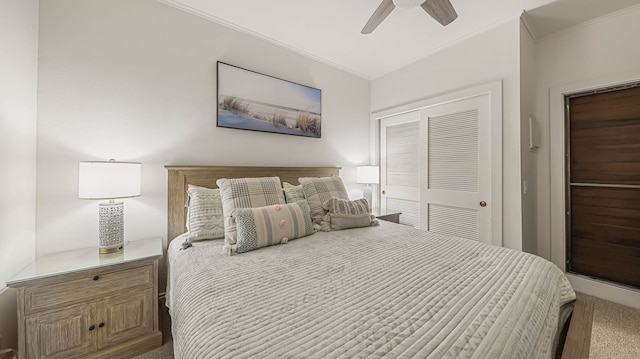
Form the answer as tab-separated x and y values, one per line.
386	291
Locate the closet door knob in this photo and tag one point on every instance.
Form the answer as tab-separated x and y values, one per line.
384	192
92	327
101	325
96	277
483	204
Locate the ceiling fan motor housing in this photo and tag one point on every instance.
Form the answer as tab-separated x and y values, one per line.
406	4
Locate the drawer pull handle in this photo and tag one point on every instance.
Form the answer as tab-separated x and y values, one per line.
101	325
96	278
92	327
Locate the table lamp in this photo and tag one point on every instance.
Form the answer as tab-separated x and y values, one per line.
109	180
368	175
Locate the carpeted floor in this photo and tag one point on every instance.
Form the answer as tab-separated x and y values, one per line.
615	334
164	352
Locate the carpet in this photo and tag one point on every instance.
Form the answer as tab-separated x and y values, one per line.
615	332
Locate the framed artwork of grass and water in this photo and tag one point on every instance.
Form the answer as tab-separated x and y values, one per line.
249	100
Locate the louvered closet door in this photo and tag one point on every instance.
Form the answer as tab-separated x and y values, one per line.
456	190
400	140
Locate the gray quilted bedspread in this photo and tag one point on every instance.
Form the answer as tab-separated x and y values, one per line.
389	291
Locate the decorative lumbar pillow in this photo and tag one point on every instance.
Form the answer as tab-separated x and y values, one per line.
343	214
205	219
246	193
292	194
318	190
269	225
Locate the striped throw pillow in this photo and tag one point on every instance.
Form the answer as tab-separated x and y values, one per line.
343	214
246	193
269	225
318	190
205	219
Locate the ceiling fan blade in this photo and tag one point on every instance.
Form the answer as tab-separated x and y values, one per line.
441	10
378	16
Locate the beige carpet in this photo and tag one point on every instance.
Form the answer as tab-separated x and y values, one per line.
615	334
164	352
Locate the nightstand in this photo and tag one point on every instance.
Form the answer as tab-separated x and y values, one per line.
389	215
80	303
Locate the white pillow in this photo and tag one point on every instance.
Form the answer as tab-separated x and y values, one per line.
292	193
205	218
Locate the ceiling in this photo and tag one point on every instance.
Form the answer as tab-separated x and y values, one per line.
329	30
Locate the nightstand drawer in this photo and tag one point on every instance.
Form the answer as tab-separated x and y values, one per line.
91	285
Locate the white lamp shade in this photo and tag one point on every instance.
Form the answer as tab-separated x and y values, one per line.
407	3
109	179
368	174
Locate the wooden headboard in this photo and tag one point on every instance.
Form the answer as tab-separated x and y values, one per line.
206	176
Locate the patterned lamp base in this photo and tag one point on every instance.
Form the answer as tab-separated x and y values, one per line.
367	193
111	227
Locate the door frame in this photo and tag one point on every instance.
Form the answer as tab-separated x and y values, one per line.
557	193
494	90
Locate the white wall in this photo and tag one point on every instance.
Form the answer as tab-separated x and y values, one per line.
597	54
598	49
489	56
529	170
18	91
135	80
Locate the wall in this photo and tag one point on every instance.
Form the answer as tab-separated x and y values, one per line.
528	158
593	55
597	49
489	56
135	80
18	90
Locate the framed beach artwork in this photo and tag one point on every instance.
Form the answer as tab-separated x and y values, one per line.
249	100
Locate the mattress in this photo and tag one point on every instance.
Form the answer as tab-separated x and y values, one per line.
389	291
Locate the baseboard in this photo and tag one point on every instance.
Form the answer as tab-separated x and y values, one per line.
605	290
8	318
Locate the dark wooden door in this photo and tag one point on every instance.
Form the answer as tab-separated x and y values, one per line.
604	185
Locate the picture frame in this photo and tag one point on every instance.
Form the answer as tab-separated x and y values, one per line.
249	100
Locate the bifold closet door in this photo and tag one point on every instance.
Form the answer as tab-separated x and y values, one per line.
604	185
436	167
400	140
456	188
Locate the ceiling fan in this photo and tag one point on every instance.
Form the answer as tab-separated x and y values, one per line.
441	10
